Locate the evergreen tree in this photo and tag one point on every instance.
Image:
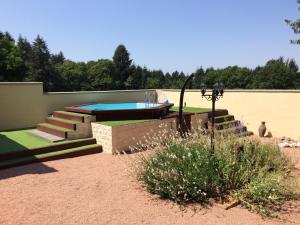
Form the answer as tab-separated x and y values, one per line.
23	61
293	65
57	58
136	78
198	78
41	63
122	62
26	52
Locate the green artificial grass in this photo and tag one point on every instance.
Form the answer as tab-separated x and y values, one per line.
121	122
20	140
65	120
55	127
191	109
45	155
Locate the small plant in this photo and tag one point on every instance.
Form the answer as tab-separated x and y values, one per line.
252	173
265	194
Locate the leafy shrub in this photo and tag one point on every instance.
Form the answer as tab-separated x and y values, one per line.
186	170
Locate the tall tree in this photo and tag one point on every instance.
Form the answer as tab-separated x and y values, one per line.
136	78
122	62
12	65
276	74
41	63
295	25
26	51
198	78
74	75
57	58
293	65
101	75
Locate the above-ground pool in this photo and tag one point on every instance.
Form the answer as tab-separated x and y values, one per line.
119	111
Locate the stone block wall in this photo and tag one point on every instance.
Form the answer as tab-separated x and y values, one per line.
126	137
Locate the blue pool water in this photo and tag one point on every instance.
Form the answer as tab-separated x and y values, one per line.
120	106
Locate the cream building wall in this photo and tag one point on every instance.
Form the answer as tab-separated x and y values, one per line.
280	109
23	104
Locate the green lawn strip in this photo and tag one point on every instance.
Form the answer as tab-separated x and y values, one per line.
121	122
72	113
55	127
45	155
65	120
191	109
19	140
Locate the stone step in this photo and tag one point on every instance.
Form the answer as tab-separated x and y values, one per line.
45	136
63	154
69	124
69	116
53	129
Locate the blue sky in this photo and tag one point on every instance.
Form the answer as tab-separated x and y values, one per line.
160	34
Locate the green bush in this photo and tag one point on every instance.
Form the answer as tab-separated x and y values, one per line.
186	170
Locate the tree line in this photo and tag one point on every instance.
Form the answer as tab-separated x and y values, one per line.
21	60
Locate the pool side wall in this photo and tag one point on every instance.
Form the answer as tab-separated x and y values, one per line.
123	114
127	137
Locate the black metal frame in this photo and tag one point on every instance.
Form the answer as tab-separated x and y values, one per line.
213	95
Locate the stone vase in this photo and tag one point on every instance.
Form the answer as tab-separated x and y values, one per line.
262	129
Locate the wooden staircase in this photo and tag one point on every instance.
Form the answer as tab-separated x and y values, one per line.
226	124
68	125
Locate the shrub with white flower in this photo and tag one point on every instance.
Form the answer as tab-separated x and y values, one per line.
185	170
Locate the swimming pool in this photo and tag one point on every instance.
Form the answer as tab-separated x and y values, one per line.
120	106
118	111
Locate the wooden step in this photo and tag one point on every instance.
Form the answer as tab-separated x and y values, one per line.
219	112
69	116
63	154
233	130
227	124
69	124
221	119
245	134
53	129
49	148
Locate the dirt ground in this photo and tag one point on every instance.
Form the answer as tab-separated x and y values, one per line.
98	189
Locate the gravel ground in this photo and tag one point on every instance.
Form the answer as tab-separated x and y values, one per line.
98	189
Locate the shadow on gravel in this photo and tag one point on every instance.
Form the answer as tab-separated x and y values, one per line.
35	168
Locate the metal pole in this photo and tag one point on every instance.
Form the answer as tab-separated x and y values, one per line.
213	122
181	120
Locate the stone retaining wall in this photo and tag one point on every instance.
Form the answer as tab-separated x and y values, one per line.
126	137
